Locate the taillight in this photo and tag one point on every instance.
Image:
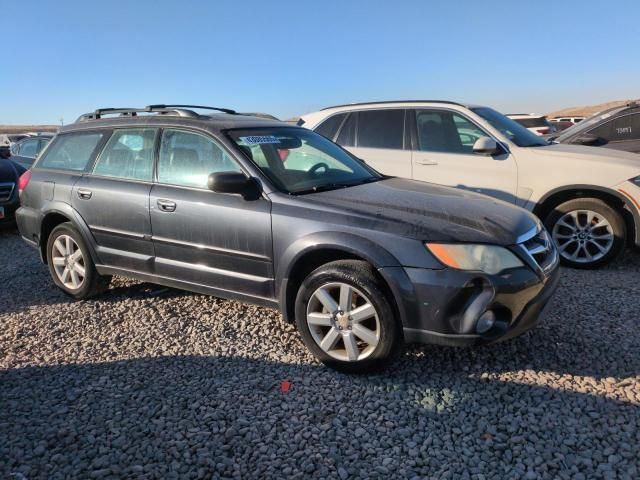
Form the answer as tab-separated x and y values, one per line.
23	181
543	131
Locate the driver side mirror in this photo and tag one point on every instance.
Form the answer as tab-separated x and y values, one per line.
486	146
587	139
234	183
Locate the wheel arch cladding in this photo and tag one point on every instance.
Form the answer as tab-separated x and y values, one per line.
62	214
616	201
309	253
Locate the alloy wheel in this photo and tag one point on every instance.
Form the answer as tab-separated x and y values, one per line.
583	236
343	322
68	262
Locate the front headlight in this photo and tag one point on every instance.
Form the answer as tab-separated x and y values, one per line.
636	180
486	258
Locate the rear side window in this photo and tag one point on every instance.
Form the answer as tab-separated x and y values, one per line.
625	127
71	151
189	158
128	154
381	129
330	126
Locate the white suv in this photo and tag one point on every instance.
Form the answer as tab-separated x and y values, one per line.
588	198
537	124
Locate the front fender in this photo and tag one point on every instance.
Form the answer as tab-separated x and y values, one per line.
316	242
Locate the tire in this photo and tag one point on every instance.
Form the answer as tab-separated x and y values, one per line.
339	330
588	232
62	240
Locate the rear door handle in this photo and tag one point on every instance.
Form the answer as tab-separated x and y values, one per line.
426	161
166	205
84	193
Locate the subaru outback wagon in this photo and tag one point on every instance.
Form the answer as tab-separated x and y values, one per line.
261	211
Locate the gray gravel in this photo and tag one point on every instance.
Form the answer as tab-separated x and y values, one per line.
146	382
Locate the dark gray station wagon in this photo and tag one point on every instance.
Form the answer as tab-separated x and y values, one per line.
257	210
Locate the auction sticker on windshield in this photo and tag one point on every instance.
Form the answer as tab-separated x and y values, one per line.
259	139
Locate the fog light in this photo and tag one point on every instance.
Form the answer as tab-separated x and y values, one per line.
486	321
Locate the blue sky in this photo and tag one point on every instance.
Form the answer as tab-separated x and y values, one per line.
290	57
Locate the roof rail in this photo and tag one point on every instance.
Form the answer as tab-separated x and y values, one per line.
203	107
179	110
394	101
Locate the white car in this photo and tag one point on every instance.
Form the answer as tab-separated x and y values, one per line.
588	198
573	120
537	124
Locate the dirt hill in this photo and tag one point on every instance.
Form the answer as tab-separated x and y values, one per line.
586	111
27	128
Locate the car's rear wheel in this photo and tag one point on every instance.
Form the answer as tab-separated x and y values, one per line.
70	264
345	317
587	231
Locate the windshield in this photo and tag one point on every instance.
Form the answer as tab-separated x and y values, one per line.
300	161
588	123
510	129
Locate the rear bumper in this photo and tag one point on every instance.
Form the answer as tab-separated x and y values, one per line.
445	306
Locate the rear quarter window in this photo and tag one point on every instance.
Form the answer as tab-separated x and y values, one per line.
71	151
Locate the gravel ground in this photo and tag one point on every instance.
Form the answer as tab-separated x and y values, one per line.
146	382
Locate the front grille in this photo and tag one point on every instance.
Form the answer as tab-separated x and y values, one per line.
6	189
541	249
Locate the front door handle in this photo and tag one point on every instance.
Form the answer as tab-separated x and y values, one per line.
166	205
84	194
426	161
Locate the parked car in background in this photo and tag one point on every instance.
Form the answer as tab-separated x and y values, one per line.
9	174
6	141
537	124
588	198
208	203
561	126
573	120
25	151
617	128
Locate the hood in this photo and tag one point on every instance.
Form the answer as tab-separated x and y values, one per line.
426	212
9	172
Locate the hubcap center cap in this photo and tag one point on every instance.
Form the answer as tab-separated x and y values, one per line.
342	319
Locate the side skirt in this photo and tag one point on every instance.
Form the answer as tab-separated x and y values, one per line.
192	287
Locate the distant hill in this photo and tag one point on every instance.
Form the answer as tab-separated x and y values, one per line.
586	111
28	128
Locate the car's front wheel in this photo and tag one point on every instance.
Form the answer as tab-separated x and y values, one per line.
70	264
345	317
587	231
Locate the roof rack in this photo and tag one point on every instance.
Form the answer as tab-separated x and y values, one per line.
179	110
394	101
202	107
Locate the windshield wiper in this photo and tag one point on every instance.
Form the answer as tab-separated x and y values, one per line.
334	186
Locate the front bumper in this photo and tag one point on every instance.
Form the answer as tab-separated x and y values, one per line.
444	306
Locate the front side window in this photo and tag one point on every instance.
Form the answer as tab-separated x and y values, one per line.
446	132
381	129
300	161
510	129
29	148
330	126
347	135
71	151
128	155
187	159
